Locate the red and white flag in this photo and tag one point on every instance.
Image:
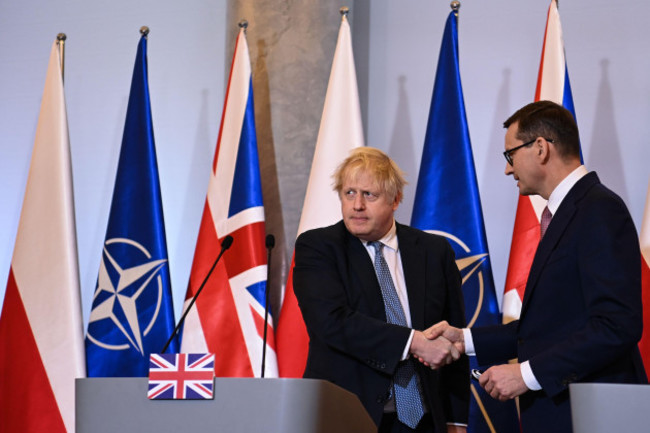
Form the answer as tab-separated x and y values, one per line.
552	85
340	131
41	331
644	344
228	317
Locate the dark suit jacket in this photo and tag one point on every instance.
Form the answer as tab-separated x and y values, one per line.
351	344
581	316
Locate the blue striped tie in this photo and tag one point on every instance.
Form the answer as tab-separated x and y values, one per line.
408	397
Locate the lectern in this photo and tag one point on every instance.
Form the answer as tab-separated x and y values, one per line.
109	405
609	407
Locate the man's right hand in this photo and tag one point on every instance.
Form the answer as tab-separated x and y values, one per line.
433	353
444	329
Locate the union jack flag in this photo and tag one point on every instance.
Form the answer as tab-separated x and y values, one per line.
181	376
228	317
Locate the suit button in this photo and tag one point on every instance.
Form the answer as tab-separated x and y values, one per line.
383	366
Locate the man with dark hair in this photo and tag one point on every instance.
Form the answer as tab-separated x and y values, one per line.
581	317
367	287
547	119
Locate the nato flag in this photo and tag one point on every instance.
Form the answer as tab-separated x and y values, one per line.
447	202
132	313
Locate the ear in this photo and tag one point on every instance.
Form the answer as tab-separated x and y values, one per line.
543	149
396	202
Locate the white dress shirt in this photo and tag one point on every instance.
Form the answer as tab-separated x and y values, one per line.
394	262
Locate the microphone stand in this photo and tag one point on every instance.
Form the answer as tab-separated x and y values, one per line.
225	244
270	243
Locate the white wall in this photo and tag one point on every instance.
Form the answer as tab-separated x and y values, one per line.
500	46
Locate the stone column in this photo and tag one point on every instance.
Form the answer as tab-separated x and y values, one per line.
291	45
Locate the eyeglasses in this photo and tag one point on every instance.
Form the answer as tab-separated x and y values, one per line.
508	153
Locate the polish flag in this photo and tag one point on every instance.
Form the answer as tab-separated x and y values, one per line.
552	85
340	131
41	330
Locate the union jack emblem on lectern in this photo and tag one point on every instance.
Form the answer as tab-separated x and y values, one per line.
181	376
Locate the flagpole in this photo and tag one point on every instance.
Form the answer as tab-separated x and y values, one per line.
60	39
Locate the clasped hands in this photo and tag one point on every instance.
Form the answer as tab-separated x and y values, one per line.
442	344
438	346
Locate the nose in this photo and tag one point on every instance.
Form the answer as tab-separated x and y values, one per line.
509	170
359	202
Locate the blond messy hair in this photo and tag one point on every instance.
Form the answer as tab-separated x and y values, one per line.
387	174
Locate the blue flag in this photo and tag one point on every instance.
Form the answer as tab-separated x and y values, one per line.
132	313
447	202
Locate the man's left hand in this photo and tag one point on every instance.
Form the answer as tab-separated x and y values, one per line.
503	382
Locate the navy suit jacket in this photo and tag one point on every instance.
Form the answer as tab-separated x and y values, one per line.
351	344
581	317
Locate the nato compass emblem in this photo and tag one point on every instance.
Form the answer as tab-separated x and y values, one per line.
128	297
468	267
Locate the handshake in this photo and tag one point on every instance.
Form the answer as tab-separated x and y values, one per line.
443	344
438	346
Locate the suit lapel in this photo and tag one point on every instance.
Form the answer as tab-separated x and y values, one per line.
555	231
413	264
362	274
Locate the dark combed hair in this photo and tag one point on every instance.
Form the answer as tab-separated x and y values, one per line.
548	120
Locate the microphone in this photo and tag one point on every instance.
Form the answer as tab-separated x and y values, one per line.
270	243
225	244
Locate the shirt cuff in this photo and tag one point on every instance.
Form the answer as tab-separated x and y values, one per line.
406	353
469	342
529	378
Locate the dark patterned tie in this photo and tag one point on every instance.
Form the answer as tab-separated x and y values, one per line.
546	220
408	397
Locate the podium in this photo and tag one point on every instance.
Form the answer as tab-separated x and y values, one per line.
609	407
246	405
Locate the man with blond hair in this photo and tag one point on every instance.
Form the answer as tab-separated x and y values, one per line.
367	287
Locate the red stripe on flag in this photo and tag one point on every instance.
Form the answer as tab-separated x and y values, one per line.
292	337
27	402
206	252
538	90
525	238
247	249
259	324
644	344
